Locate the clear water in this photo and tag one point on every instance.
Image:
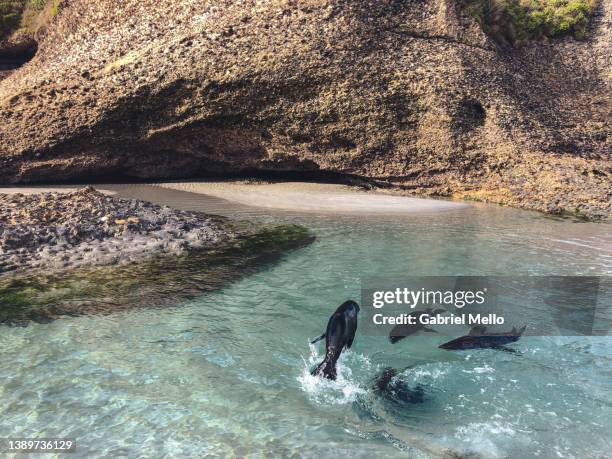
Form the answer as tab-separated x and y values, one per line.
227	374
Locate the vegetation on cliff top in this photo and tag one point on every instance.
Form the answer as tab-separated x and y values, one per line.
10	15
28	15
519	21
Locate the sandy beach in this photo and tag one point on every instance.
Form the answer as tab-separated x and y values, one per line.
315	197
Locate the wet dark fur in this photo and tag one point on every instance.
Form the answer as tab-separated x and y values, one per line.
341	329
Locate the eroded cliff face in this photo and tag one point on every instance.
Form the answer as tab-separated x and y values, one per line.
406	92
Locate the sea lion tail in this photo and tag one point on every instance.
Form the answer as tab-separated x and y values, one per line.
327	369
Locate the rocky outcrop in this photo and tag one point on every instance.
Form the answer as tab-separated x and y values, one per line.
410	93
87	228
43	295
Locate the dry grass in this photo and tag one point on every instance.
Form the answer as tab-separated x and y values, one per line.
130	57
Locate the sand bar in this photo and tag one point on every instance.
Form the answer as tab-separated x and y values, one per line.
315	198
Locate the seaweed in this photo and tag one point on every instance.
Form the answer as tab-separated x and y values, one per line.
159	282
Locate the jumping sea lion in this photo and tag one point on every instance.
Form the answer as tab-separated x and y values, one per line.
400	332
478	338
341	329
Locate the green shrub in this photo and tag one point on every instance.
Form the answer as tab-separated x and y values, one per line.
56	7
9	21
519	21
36	4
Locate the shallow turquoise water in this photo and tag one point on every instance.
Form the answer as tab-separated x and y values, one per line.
226	374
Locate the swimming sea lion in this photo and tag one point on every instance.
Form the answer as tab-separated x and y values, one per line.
478	338
400	332
341	329
390	387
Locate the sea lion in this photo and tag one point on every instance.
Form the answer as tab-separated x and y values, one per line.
400	332
478	338
341	329
390	387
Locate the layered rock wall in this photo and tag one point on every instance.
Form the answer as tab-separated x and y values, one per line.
406	92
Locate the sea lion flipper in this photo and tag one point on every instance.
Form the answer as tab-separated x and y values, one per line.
478	330
397	333
316	340
505	349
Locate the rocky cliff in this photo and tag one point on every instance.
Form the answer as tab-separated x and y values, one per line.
406	92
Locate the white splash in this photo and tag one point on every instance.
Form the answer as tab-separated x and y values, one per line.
428	373
482	436
339	392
